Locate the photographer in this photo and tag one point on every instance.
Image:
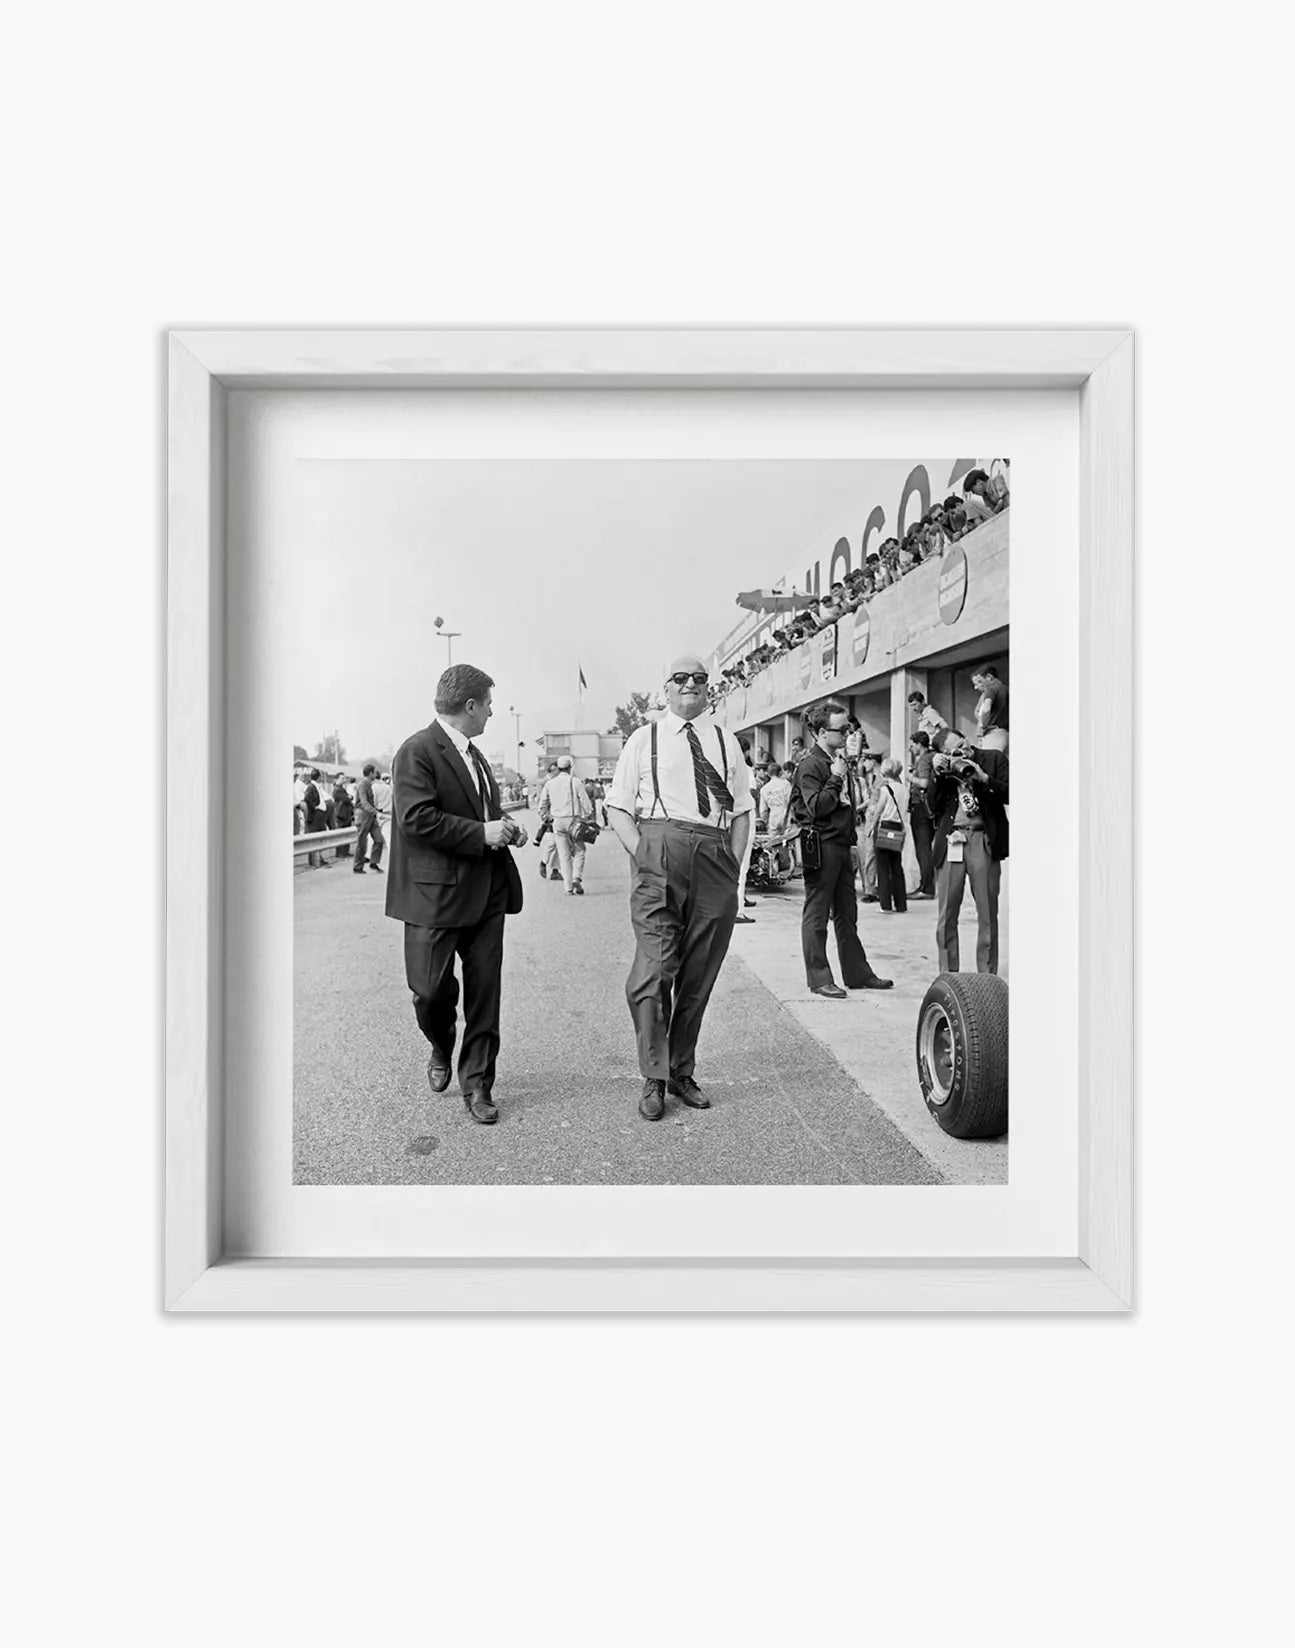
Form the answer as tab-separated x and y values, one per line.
826	805
566	802
968	797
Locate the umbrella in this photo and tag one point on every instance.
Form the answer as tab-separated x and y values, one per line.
771	600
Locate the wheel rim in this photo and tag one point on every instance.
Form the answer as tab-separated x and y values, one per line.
937	1053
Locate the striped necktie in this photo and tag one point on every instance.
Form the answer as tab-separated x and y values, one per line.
707	778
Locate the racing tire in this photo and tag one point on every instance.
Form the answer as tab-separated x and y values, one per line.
962	1054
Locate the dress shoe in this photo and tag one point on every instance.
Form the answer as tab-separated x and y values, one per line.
358	870
438	1071
747	921
874	983
579	889
376	868
481	1107
652	1100
833	992
544	874
749	902
685	1088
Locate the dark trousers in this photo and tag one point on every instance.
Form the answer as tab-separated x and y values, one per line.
429	971
923	839
985	874
890	880
368	828
683	903
829	892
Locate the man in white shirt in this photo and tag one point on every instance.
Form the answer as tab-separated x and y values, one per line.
929	719
680	805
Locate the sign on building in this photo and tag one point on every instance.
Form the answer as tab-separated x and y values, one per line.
953	584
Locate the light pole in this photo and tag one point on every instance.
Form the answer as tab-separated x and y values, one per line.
517	725
447	635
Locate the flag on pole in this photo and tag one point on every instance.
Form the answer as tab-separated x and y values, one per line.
584	685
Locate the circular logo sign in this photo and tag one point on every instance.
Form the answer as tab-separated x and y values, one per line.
862	634
953	584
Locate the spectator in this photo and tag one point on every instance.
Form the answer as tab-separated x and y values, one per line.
990	494
969	800
548	854
743	902
798	752
889	806
991	708
929	720
865	846
980	498
775	799
921	824
597	794
316	817
367	824
343	812
568	804
956	524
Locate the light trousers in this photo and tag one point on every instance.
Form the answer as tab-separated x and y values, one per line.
571	854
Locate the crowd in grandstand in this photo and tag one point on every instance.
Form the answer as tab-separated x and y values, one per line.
927	539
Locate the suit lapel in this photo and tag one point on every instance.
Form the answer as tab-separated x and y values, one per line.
460	766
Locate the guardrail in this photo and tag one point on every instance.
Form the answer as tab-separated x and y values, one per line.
323	841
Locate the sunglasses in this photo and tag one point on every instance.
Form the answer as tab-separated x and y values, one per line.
686	678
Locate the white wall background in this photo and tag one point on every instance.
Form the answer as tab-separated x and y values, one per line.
615	1481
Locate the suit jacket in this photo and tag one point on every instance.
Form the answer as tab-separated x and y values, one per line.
943	796
820	802
440	869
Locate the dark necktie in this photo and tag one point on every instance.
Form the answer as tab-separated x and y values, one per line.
707	778
483	776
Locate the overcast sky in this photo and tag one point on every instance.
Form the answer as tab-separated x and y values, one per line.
543	566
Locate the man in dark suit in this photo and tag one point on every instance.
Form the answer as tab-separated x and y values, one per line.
968	797
825	802
452	881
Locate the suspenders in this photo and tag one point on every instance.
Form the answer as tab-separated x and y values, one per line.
656	786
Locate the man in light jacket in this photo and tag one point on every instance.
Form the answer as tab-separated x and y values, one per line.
567	803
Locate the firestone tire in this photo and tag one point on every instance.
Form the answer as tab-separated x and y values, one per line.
962	1054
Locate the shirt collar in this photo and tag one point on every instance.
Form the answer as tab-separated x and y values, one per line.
457	738
676	723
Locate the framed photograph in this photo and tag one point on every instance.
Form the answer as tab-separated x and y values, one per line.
691	738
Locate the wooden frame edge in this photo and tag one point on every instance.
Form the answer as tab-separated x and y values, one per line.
1106	912
194	876
202	366
634	1287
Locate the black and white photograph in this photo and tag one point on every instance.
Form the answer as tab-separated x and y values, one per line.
650	821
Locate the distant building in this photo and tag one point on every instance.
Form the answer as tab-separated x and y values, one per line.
593	754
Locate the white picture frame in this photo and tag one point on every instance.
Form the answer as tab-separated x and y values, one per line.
203	367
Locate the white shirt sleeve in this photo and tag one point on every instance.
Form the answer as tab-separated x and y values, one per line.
741	779
623	791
